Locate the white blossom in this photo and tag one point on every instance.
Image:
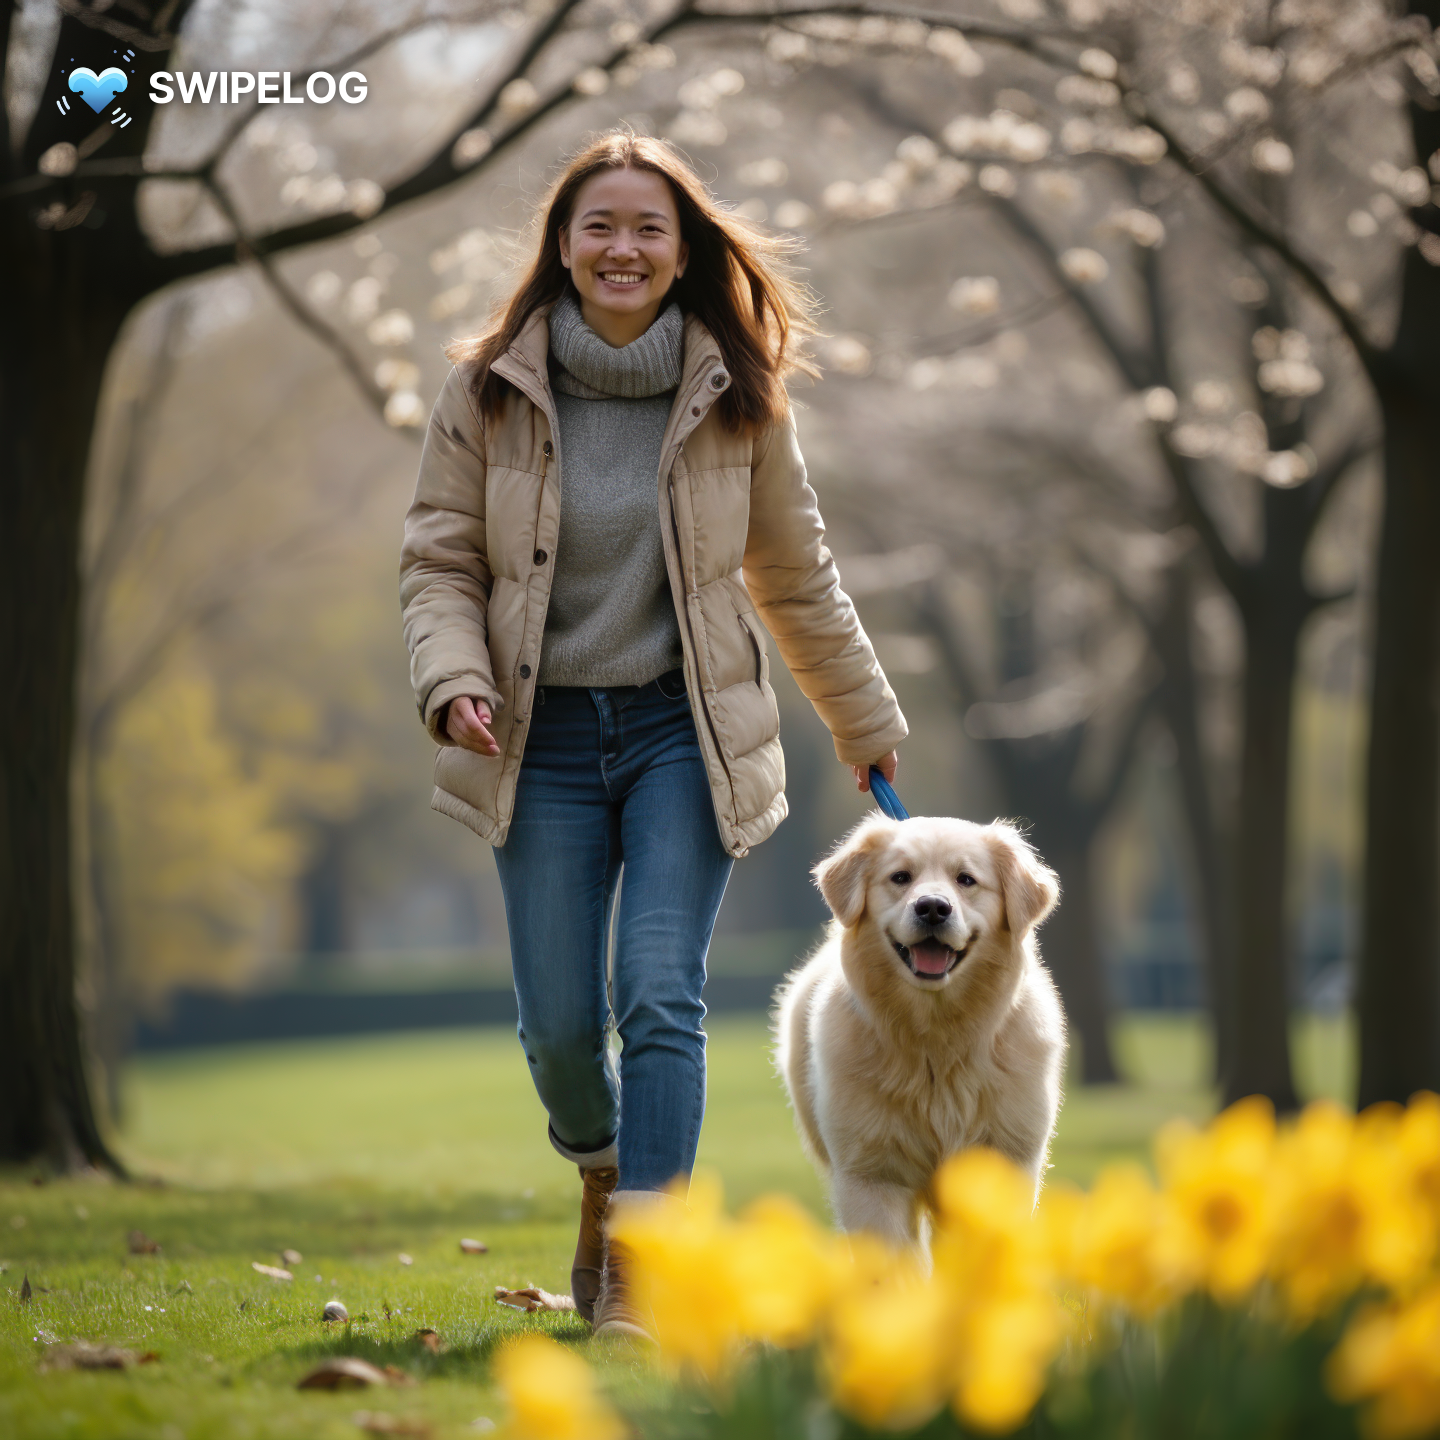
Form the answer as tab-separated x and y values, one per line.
1247	106
394	327
362	300
1212	397
1100	64
766	174
918	153
787	47
698	127
1361	224
1286	468
850	356
1183	83
975	295
364	198
1271	156
1144	227
517	98
957	52
793	215
1160	404
591	81
727	82
471	146
393	373
404	408
1252	62
60	159
323	288
1087	91
1290	378
451	302
997	180
1060	187
1083	266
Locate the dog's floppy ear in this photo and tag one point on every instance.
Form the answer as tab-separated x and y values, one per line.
1030	888
844	873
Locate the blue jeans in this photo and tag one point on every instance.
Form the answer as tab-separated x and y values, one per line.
614	778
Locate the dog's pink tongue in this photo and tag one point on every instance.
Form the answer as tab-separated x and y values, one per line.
930	957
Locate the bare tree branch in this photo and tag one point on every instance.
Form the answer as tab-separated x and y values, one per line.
1261	232
1321	485
322	330
160	40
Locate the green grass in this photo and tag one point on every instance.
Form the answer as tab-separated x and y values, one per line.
354	1151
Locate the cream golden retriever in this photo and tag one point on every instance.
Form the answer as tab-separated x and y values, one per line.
925	1023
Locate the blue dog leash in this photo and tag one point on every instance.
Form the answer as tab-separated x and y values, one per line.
885	796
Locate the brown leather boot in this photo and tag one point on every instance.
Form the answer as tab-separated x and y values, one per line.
589	1264
616	1312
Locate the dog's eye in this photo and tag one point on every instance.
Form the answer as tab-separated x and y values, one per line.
965	880
900	877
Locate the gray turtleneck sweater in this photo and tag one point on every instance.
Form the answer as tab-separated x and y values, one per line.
611	619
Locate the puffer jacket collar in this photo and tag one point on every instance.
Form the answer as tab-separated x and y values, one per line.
703	378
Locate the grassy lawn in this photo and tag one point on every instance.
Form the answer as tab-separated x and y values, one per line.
355	1151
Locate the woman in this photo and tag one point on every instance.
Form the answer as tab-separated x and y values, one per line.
585	645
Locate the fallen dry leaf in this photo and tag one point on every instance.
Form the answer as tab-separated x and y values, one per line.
430	1339
405	1259
381	1422
344	1372
474	1247
273	1271
141	1244
335	1310
26	1292
82	1355
291	1257
531	1299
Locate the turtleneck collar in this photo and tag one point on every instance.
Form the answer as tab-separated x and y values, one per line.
647	366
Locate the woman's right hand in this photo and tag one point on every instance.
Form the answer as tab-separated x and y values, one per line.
466	722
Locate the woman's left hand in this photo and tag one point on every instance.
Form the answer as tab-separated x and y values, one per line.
886	766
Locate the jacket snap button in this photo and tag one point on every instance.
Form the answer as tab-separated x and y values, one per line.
719	379
541	557
524	672
547	449
694	409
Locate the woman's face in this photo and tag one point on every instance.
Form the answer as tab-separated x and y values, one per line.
623	249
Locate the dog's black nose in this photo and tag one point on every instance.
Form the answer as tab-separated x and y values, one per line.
932	909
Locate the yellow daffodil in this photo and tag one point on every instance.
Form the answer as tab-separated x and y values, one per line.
786	1270
1218	1190
1111	1242
1347	1214
885	1344
1390	1357
685	1277
551	1393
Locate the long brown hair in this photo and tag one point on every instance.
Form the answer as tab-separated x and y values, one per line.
737	282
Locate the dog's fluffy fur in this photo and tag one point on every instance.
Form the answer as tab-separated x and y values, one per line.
925	1023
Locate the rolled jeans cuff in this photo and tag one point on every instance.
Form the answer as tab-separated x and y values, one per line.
607	1154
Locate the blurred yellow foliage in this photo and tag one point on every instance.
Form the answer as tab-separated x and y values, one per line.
199	848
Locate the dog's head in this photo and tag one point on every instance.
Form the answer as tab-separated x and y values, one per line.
936	891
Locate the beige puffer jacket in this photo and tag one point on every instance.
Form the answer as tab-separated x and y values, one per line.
741	531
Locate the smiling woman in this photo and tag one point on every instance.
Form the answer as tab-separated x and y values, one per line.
610	501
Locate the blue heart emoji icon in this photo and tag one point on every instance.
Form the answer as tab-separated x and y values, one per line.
97	91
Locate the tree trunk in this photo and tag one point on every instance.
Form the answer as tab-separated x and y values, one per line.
55	334
1399	989
1259	985
1210	878
1071	948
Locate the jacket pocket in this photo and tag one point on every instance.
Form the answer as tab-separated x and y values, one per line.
759	649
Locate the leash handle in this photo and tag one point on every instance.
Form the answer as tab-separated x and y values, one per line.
885	796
